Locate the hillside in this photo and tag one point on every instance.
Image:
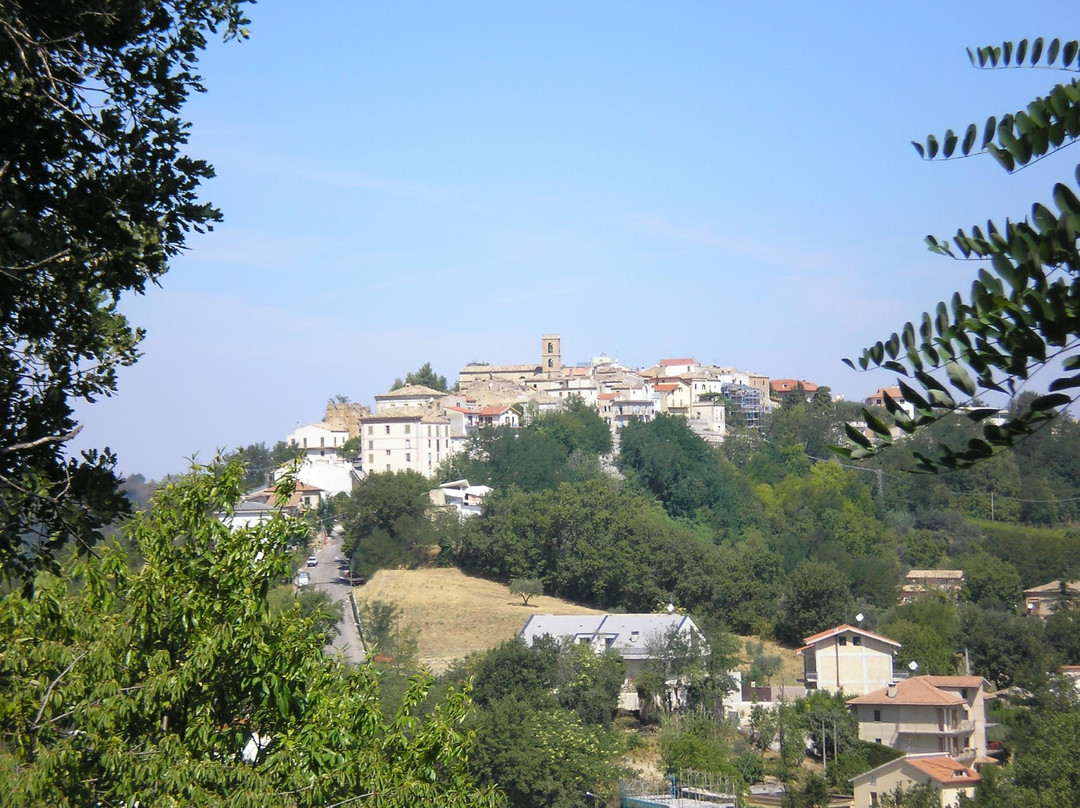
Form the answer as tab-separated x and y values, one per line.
454	614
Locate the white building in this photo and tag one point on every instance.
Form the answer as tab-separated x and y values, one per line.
318	440
399	438
636	637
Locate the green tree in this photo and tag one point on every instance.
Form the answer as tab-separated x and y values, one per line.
816	597
424	376
526	588
1023	313
171	683
97	194
991	583
385	522
1049	768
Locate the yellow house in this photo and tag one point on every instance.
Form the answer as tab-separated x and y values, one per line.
927	714
947	776
847	658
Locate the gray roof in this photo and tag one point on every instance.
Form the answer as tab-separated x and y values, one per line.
629	634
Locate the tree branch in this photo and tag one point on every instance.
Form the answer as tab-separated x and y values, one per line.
18	447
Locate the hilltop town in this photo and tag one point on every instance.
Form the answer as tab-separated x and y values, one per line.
416	427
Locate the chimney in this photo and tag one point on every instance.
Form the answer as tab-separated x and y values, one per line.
890	690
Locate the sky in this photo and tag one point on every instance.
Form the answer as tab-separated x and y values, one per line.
445	182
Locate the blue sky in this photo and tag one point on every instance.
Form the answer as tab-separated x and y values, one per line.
414	182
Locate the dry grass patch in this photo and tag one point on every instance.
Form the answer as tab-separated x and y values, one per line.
792	669
454	614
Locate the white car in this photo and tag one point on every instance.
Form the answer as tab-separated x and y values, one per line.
312	561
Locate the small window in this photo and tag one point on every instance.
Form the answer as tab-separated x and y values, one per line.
388	467
877	715
305	443
387	452
371	430
371	444
551	363
856	640
408	428
408	457
388	429
842	641
963	693
371	459
322	441
408	443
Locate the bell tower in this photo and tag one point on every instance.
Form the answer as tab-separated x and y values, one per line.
550	353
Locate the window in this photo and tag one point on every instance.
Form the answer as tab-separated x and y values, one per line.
856	640
408	428
322	441
371	460
371	444
842	641
551	348
388	429
877	715
429	441
388	467
408	457
408	443
371	430
551	364
387	452
305	443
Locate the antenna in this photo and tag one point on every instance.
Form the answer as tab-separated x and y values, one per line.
860	617
671	608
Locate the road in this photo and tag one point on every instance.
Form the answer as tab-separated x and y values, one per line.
325	575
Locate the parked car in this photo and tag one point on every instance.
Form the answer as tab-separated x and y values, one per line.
302	579
312	561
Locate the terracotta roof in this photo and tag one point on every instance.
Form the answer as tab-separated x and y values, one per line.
956	682
491	409
667	388
405	414
689	360
944	769
1072	587
914	691
608	396
832	632
787	385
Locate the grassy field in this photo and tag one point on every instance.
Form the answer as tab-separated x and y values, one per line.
454	614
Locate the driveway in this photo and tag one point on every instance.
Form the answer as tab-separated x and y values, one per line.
326	576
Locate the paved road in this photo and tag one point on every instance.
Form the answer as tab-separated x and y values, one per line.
326	577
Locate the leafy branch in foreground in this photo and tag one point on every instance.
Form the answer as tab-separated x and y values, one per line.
97	194
1023	312
174	684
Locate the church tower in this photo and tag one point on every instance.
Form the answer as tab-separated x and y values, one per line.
550	353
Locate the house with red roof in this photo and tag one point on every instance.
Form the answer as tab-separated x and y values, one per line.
847	658
948	777
927	714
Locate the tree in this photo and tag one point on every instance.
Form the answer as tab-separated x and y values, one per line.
172	683
424	377
816	597
1023	313
97	194
385	523
527	588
